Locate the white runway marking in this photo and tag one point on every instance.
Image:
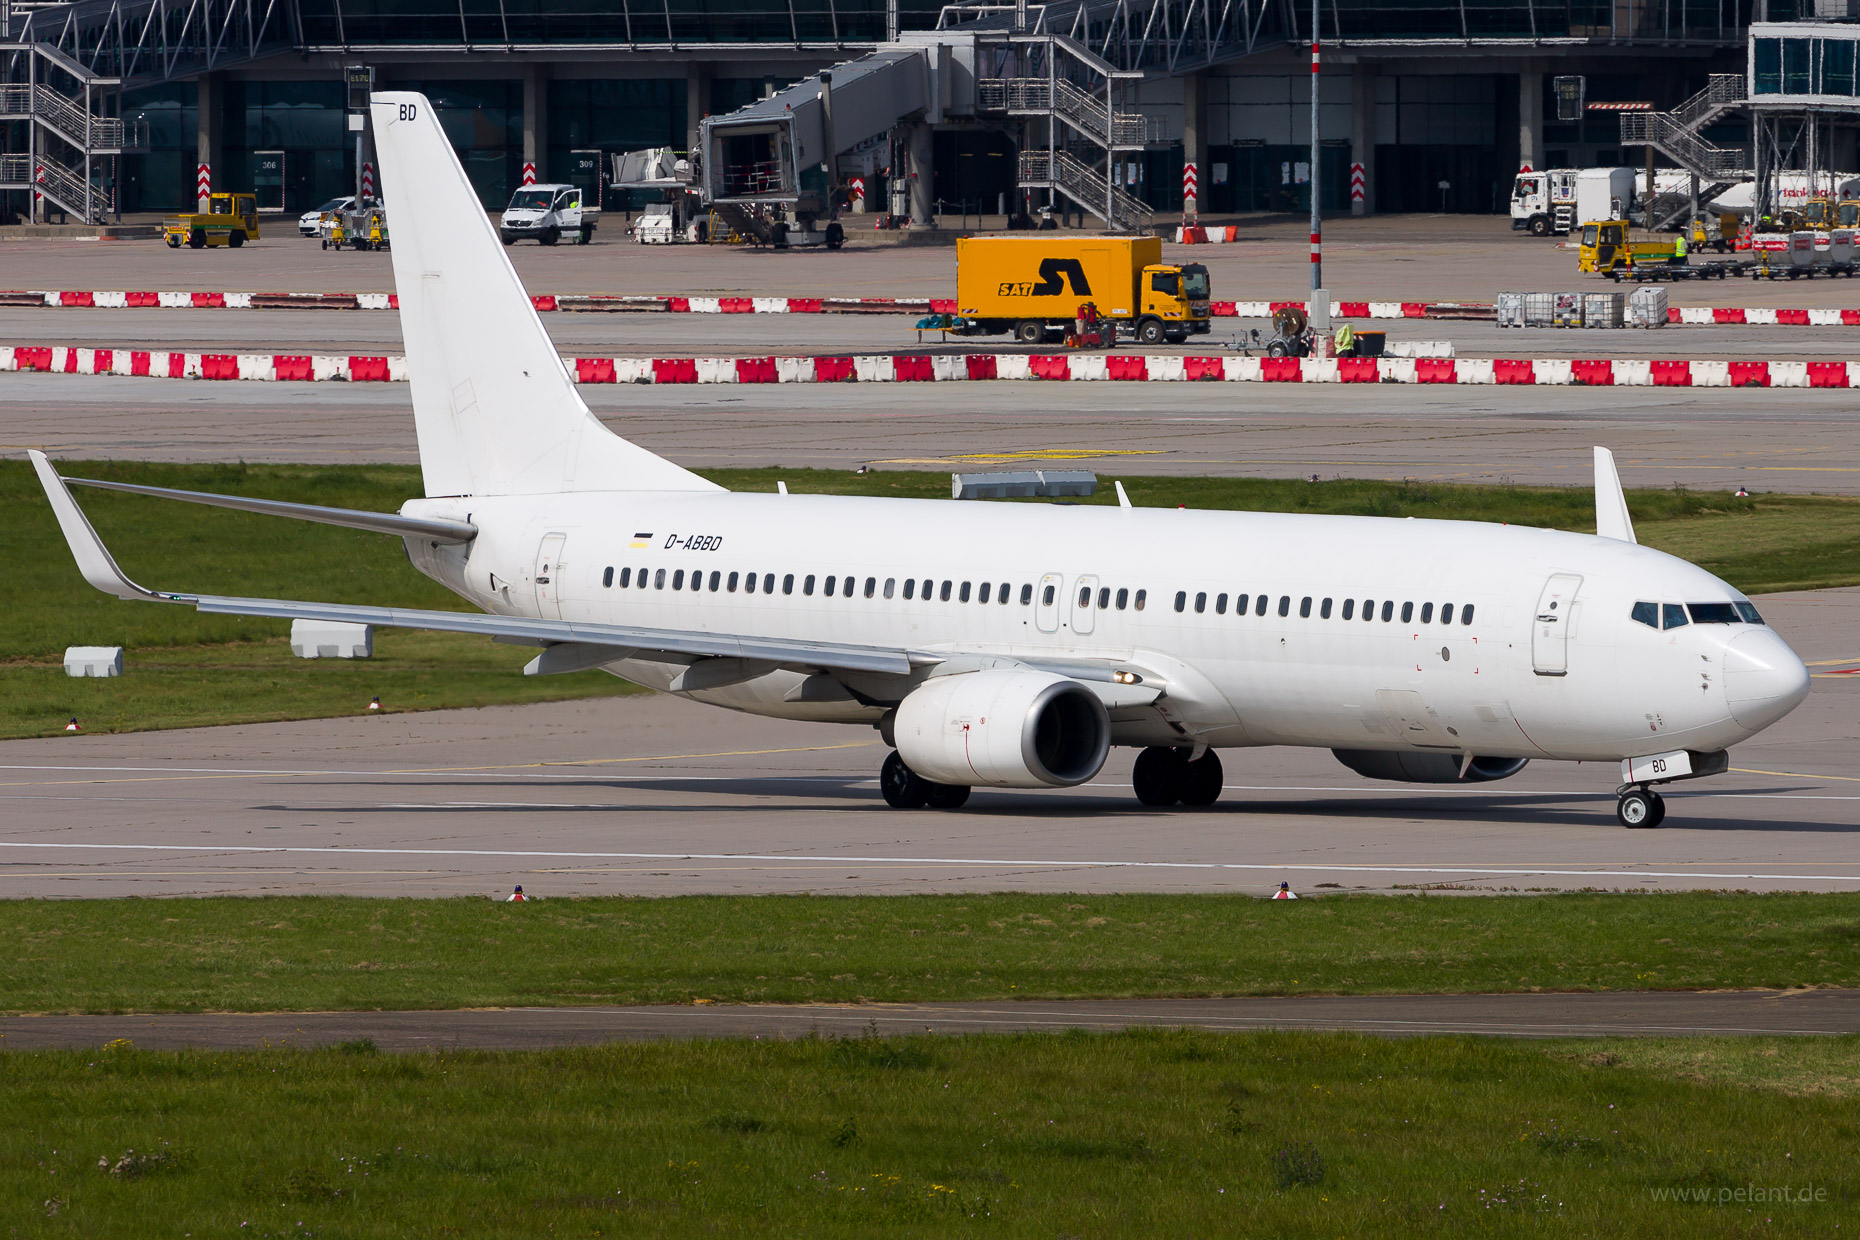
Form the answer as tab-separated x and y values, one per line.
1034	862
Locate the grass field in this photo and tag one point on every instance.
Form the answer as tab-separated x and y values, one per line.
327	953
188	669
1124	1135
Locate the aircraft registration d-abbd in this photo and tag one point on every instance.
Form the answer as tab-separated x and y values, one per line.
1010	645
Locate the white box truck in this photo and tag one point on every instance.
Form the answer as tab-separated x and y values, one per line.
1604	194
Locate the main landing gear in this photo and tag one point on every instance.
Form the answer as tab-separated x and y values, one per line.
906	789
1165	775
1640	808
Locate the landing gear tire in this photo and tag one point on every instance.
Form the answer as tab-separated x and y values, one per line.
1640	809
1030	331
1149	331
903	787
1159	775
946	796
1202	780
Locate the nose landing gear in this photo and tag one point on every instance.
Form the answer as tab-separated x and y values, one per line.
1640	808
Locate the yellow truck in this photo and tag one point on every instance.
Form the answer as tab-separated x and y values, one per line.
1030	285
230	219
1606	248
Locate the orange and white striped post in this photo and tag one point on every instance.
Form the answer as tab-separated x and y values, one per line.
203	185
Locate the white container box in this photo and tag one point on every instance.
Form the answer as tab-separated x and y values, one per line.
326	639
93	660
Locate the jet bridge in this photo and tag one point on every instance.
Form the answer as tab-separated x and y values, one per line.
760	154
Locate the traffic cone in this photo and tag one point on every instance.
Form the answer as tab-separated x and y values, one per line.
376	704
73	725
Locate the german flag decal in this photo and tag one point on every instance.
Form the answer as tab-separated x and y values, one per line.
642	541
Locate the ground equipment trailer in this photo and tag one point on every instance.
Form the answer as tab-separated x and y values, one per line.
230	219
1030	285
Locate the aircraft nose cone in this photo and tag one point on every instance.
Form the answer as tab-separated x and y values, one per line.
1763	678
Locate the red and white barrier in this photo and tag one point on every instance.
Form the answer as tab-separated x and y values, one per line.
943	368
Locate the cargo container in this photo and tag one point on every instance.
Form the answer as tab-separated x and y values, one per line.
1031	285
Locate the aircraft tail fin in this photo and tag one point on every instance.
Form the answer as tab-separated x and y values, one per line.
1611	510
495	409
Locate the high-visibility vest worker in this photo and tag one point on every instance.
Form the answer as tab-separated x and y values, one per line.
1346	341
1679	248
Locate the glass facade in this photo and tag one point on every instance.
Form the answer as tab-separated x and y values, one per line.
611	116
362	23
1523	19
1804	66
484	120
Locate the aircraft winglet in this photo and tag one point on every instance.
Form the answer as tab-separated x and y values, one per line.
93	558
1611	510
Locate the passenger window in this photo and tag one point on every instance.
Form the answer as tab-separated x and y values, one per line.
807	586
1304	608
768	583
1259	608
1142	597
1104	597
1026	595
1427	613
831	583
1123	598
1349	609
929	589
889	583
944	596
678	580
787	584
987	589
910	587
1324	610
1285	604
1466	614
1005	591
1673	616
1201	602
1181	600
715	579
658	580
1446	613
1220	604
1648	614
1407	613
962	594
731	584
1084	596
749	583
626	577
1388	610
1240	603
607	578
1046	597
846	589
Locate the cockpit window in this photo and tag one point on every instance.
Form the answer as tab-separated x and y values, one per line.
1648	614
1713	613
1673	616
1749	612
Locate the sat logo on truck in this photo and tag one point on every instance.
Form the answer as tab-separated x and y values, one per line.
1051	269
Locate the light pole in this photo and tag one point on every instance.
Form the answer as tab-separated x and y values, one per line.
1320	300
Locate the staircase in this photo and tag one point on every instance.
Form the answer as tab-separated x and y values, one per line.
1677	135
1062	82
67	139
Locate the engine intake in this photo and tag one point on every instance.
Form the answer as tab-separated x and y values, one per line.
1427	768
1005	728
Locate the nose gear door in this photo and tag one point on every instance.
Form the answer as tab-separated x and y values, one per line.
1550	625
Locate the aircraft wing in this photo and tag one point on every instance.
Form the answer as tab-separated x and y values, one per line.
100	569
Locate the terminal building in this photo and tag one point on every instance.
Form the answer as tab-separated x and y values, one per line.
115	106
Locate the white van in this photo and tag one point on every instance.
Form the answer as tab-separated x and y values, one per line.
548	213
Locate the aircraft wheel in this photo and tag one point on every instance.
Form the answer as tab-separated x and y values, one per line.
1659	808
1159	775
903	787
1635	810
946	796
1202	780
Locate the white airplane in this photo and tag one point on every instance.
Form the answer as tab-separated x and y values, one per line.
1010	645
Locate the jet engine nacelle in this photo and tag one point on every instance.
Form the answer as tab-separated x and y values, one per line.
1006	728
1427	768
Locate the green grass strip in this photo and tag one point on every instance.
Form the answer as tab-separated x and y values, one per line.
323	953
1135	1134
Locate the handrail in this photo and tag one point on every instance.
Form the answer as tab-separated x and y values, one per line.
1084	187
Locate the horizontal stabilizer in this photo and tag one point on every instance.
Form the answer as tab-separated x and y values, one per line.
440	531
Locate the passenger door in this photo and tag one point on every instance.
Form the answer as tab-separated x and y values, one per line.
1550	625
1084	609
1046	602
549	577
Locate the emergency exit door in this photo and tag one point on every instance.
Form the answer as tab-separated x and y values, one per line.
1550	626
549	579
